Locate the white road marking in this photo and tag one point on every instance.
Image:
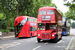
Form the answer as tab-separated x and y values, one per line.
45	43
13	44
20	41
61	41
60	46
41	40
36	47
70	43
5	46
36	41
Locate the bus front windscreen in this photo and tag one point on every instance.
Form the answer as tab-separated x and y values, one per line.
41	26
52	27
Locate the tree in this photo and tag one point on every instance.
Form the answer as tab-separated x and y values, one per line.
61	13
10	9
2	16
71	13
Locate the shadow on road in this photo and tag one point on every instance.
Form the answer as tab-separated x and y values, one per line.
49	41
25	37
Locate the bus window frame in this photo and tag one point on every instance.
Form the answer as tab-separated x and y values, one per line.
32	28
49	12
42	10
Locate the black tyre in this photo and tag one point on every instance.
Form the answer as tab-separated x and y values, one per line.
56	39
38	39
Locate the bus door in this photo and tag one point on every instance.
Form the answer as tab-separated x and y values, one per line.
33	31
18	29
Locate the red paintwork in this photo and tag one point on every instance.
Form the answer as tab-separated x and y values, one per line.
25	31
19	19
54	20
48	31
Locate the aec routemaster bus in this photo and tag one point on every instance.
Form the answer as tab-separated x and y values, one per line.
25	26
49	24
65	26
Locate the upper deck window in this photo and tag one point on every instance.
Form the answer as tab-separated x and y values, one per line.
50	11
42	12
31	20
23	21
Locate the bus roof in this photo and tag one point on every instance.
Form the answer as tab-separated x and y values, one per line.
42	8
25	17
20	18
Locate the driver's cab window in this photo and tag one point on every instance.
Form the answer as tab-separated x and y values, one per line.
52	27
41	26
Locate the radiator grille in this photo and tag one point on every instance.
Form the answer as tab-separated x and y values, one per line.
45	36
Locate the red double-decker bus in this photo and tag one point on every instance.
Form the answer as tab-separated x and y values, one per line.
25	26
49	24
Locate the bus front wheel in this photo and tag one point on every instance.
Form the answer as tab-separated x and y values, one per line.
56	39
38	39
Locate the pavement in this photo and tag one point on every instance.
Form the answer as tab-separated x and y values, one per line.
7	37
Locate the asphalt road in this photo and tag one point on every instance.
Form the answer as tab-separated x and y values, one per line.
32	44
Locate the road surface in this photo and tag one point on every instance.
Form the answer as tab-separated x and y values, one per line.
32	44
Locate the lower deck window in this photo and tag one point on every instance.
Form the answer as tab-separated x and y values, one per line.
33	28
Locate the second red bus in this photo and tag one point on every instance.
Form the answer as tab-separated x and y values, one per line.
25	26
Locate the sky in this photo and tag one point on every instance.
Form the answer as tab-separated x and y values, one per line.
60	6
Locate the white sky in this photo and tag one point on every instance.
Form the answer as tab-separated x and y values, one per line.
60	6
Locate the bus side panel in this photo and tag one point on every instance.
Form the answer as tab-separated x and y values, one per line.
23	32
28	34
34	33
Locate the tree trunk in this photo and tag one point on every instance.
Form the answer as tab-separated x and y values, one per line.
17	8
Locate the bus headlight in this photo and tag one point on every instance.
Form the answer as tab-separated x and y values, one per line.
38	34
53	35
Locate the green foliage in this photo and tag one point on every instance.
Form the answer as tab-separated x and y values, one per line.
4	30
71	13
73	25
61	13
68	3
72	7
2	16
10	8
